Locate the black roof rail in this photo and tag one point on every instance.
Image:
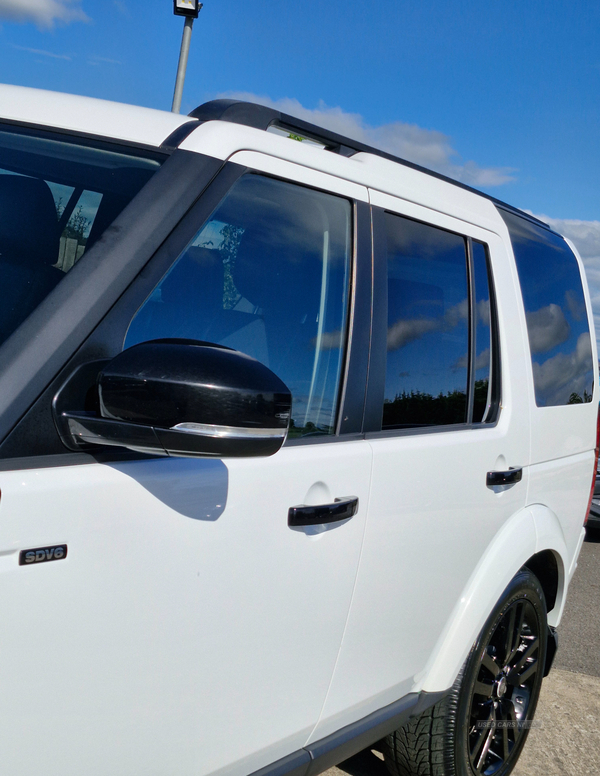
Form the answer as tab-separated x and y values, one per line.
251	114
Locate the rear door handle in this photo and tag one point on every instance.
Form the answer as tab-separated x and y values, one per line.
341	509
514	474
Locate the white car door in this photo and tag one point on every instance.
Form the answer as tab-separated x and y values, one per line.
433	511
185	627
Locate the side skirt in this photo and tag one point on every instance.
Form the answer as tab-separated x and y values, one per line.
321	755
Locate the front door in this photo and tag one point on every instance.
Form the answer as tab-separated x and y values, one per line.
188	628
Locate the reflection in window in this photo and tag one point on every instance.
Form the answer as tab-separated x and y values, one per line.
557	323
76	211
268	275
482	400
57	196
428	326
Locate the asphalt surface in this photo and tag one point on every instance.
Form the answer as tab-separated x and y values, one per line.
566	740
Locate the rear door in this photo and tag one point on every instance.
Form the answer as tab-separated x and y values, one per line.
188	628
447	404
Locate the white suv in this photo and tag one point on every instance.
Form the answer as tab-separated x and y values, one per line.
297	442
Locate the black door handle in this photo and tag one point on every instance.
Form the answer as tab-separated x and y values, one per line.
514	474
341	509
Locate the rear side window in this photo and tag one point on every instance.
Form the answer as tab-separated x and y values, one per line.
557	322
267	274
439	334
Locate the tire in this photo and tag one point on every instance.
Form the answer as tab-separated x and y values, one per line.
480	727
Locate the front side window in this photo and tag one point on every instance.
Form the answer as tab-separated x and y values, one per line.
268	275
57	195
557	322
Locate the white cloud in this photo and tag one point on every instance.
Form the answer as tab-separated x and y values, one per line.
404	331
547	328
585	235
44	13
482	361
42	53
566	373
426	147
330	340
93	60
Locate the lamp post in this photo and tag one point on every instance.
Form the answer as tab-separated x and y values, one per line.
189	9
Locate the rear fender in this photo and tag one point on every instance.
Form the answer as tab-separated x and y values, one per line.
529	531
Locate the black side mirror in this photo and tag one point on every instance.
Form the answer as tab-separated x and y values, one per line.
184	398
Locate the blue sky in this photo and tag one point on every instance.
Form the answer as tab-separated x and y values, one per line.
503	95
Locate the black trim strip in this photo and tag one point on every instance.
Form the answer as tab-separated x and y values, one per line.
378	352
355	384
352	738
178	135
472	329
296	764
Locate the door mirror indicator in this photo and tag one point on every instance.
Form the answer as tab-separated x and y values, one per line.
183	398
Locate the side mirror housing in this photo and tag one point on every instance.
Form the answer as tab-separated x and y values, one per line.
184	398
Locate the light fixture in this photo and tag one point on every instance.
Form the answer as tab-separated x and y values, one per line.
190	8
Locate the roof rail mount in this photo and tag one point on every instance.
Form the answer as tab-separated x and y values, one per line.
250	114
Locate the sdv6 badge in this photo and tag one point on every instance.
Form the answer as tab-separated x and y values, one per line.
42	554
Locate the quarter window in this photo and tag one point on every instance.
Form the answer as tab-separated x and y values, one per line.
267	274
557	322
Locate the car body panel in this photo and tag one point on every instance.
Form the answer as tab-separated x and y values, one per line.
88	115
185	602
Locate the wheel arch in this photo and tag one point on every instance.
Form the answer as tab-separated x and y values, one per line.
537	534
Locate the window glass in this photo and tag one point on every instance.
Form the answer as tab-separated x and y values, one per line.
57	196
557	323
268	275
428	326
482	399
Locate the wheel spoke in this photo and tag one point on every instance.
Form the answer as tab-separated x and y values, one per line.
528	672
512	715
481	688
490	664
516	675
526	655
505	747
517	633
510	629
486	747
483	735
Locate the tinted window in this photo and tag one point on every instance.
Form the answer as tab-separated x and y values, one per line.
267	274
428	326
482	399
557	323
56	197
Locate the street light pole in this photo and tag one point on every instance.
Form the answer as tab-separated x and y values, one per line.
190	10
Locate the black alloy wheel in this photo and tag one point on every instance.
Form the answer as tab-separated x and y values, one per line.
506	681
502	680
480	727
